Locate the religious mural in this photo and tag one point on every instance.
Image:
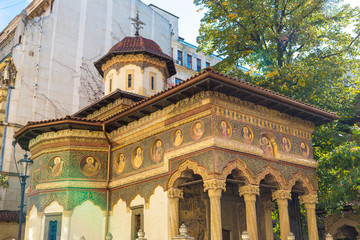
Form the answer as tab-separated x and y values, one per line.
266	146
119	164
90	166
55	166
286	144
157	151
137	157
225	129
247	134
197	130
177	138
304	149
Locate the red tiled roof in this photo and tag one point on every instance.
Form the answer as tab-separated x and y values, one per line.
138	44
10	216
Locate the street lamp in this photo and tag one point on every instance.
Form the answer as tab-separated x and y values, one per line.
23	171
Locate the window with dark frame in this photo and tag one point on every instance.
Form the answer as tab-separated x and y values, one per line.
198	64
189	61
129	81
137	220
110	84
180	57
152	83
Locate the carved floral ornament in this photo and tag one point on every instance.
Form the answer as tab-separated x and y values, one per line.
175	193
214	184
308	199
281	194
249	190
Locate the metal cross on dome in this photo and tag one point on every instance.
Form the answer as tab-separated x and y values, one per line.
137	23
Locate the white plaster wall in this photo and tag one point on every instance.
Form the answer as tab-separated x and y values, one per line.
156	217
33	225
87	220
159	81
120	221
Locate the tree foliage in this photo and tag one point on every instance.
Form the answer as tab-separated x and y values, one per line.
305	49
3	181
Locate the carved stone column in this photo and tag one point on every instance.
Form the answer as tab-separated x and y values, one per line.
215	188
174	195
282	197
65	232
267	209
250	192
310	202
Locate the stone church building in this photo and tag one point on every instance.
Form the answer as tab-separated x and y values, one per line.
212	152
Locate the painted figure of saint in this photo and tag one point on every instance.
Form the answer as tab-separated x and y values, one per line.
247	134
120	163
304	149
286	144
56	167
91	166
266	146
225	129
197	130
137	157
178	138
157	151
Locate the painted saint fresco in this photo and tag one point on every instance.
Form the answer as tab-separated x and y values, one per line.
197	130
266	146
137	157
157	151
119	163
286	144
177	138
89	166
225	129
304	149
247	134
56	166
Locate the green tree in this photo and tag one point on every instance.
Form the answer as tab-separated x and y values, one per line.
3	181
300	48
304	49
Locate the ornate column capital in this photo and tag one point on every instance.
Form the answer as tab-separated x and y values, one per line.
249	190
308	199
281	195
214	184
175	193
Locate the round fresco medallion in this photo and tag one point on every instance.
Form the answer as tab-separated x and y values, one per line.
247	134
304	149
119	163
225	129
177	138
90	166
197	130
157	151
286	144
137	157
55	166
266	146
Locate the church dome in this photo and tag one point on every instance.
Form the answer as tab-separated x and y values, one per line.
137	45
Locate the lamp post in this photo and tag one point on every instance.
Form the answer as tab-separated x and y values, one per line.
23	171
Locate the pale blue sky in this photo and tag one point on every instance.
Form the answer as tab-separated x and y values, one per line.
185	9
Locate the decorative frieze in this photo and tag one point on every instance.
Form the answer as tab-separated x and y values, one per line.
308	199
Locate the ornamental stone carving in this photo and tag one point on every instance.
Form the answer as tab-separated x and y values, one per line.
214	184
249	190
308	199
281	194
175	193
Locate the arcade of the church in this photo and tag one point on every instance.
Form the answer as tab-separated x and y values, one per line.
213	152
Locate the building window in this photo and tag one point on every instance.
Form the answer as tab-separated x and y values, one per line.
152	81
52	226
110	84
198	64
129	80
137	221
207	64
180	57
189	61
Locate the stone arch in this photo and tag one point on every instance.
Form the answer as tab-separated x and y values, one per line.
237	164
341	222
300	177
49	203
191	165
135	196
153	192
270	170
